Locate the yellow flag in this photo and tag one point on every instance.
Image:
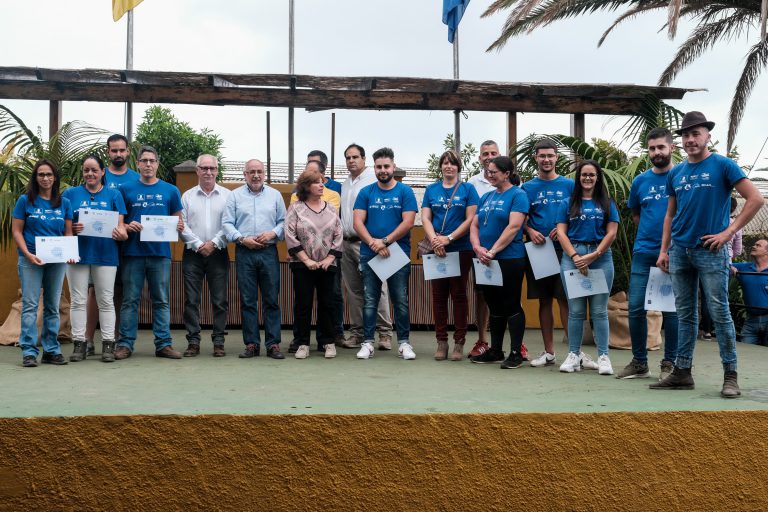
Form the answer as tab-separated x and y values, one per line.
120	7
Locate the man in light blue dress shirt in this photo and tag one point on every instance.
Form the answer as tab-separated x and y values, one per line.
253	219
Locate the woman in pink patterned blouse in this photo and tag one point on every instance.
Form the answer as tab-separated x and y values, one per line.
313	235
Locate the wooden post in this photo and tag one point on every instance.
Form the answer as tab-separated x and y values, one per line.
333	144
578	126
511	134
269	151
54	117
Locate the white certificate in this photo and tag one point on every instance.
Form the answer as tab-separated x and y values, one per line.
56	249
579	285
436	267
659	295
543	258
488	274
98	223
385	267
159	228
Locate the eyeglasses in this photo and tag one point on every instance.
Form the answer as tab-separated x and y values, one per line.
45	175
208	169
147	161
590	176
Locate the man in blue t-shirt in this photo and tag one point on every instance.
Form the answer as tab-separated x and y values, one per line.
693	246
384	214
545	193
648	200
147	260
753	278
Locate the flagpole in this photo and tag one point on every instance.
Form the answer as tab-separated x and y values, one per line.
129	67
456	113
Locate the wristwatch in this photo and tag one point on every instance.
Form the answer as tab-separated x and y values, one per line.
239	241
450	239
386	241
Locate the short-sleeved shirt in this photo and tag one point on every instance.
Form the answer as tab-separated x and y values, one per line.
437	197
333	185
41	219
493	213
545	197
115	181
385	212
95	250
649	196
588	226
161	198
703	192
755	288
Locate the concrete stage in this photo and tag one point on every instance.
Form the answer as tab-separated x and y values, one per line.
226	433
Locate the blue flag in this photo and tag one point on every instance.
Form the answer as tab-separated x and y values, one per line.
453	10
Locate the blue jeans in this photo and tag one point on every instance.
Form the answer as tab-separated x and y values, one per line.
398	293
47	278
638	320
157	271
687	267
755	330
598	304
259	270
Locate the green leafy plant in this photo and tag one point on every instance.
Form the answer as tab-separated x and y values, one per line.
470	164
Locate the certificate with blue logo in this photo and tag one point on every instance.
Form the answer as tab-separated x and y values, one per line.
436	267
659	295
386	267
57	249
488	274
99	223
159	228
580	285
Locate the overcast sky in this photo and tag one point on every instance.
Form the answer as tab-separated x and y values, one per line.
362	38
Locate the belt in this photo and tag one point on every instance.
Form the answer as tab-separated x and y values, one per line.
352	239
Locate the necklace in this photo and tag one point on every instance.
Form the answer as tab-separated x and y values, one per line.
489	207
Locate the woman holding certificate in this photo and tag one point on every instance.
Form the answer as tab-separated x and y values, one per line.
497	240
446	213
586	228
41	212
98	212
313	237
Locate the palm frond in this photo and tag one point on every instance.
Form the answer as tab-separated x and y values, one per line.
757	60
631	14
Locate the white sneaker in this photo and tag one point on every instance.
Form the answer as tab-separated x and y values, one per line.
604	365
330	350
302	352
366	350
587	362
405	350
571	364
544	359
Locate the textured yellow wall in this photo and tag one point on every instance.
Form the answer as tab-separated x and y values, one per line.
614	461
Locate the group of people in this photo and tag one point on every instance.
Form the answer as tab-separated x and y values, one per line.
334	230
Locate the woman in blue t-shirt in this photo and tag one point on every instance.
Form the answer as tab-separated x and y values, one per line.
98	257
586	228
496	234
446	213
40	212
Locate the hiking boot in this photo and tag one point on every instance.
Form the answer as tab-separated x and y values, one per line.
339	340
480	348
193	350
458	351
514	360
488	357
442	351
29	362
385	342
680	378
730	385
352	342
665	369
56	359
122	352
91	349
218	351
107	351
79	351
634	370
251	350
168	353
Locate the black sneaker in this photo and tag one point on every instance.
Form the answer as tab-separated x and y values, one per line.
634	370
57	359
294	346
274	352
488	357
251	350
29	362
515	360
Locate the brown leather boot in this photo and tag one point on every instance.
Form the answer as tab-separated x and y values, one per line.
442	351
680	378
730	385
458	351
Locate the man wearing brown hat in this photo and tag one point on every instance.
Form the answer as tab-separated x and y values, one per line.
693	246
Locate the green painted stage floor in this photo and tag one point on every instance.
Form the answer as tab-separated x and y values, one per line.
145	384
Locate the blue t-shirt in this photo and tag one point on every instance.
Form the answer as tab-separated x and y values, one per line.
493	217
115	181
385	212
41	219
649	195
333	185
588	226
96	250
545	197
703	192
436	198
755	288
162	198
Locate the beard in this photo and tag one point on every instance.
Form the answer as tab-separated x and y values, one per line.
385	178
661	161
118	162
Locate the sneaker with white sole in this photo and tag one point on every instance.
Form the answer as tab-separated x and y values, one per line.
330	350
405	350
587	363
302	352
544	359
366	350
604	365
571	364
